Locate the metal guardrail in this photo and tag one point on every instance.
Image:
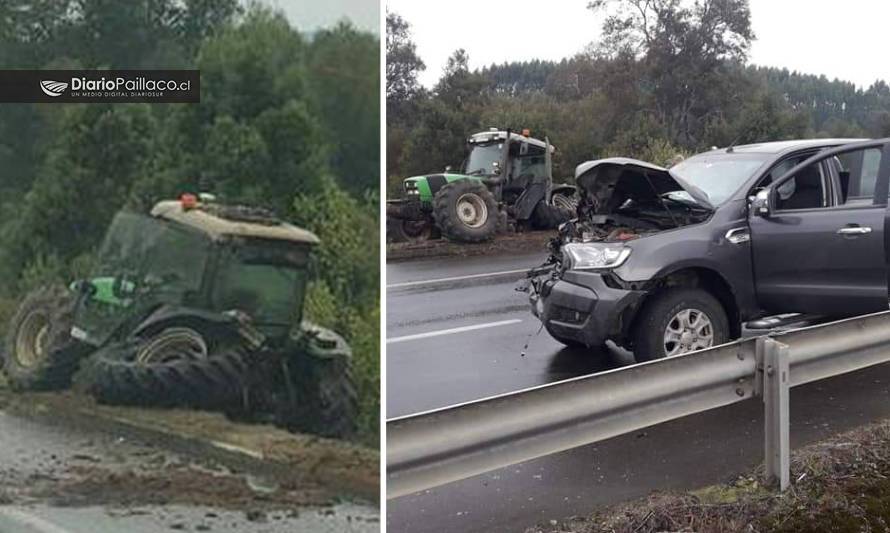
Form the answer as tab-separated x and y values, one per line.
436	447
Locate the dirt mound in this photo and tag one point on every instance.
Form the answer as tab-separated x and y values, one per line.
519	242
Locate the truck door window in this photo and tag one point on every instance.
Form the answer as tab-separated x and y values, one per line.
859	169
806	190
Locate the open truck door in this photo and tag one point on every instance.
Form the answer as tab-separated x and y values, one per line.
818	233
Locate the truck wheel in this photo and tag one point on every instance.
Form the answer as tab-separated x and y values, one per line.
466	211
676	321
549	216
39	352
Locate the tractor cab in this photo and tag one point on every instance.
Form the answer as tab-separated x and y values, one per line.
495	153
197	259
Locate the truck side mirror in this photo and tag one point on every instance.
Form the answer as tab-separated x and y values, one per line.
760	205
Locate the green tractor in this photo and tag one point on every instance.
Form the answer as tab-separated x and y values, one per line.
506	179
196	304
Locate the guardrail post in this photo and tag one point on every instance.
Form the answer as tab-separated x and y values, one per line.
775	398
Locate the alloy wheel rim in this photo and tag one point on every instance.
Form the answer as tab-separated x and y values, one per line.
687	331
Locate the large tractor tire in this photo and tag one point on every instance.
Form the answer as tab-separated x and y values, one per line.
466	211
39	351
326	400
173	368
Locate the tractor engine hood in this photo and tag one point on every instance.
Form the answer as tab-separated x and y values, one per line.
607	184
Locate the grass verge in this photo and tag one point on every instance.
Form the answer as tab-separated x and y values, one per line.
841	485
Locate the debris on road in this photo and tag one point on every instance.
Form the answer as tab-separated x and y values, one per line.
276	457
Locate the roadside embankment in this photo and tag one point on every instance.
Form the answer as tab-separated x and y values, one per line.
839	485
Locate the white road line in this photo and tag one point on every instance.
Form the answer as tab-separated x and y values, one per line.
452	330
32	522
455	278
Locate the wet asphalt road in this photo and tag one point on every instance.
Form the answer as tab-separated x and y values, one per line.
33	453
444	369
463	364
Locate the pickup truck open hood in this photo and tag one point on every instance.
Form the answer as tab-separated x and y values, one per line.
610	182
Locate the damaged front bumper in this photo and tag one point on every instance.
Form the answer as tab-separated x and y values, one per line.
582	306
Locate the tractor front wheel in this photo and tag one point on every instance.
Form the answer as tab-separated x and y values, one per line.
326	399
466	211
404	230
39	352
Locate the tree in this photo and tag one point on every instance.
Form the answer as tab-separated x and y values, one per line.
685	50
344	77
402	66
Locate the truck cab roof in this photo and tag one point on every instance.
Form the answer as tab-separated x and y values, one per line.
777	147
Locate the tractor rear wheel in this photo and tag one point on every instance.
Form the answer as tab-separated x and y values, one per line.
39	352
549	216
466	211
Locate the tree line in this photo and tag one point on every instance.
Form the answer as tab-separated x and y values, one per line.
287	121
666	77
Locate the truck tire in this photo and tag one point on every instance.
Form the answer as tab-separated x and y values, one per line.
219	381
548	216
327	399
39	351
466	211
678	320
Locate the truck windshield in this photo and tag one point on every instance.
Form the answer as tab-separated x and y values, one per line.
264	279
482	158
719	175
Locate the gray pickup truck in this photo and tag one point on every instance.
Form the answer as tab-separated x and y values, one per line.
667	261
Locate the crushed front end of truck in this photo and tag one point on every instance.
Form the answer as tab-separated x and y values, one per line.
578	293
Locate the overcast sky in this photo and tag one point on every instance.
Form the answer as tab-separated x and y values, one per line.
840	39
311	15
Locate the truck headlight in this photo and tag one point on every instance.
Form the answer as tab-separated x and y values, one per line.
590	256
